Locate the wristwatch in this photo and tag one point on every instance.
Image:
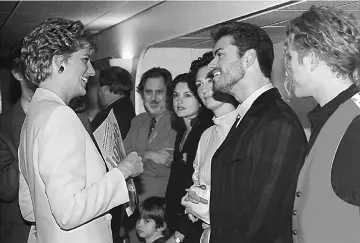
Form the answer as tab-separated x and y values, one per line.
177	239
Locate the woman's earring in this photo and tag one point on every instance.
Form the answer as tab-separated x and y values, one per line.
61	69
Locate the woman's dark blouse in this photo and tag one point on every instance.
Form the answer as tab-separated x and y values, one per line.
181	178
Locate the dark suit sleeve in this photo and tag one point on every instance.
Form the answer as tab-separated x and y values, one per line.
9	172
277	153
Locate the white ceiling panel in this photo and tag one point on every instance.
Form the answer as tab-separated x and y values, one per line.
275	31
275	21
306	5
272	17
203	34
183	42
100	15
66	7
120	13
96	15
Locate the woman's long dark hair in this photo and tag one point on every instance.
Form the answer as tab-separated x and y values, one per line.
203	115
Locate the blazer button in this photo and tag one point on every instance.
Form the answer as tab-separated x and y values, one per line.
298	194
294	232
108	216
294	212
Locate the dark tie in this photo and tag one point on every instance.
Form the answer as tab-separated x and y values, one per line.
152	126
234	126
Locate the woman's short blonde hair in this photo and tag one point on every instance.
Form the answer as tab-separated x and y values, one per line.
54	37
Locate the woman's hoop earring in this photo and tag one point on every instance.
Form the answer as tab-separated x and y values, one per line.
61	69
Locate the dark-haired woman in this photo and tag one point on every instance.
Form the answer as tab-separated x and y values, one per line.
191	120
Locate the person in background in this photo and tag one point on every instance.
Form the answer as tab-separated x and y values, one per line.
255	169
13	229
151	134
322	54
115	86
151	225
191	119
91	98
152	137
64	186
223	107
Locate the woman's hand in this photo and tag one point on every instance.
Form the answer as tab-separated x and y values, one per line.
193	197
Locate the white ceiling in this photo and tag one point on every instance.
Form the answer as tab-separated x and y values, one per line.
17	18
273	21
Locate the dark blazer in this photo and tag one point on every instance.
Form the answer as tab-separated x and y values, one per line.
12	226
181	179
124	112
254	175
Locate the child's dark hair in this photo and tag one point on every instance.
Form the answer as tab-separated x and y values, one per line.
154	208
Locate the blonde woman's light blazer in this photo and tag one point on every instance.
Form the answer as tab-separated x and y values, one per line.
64	187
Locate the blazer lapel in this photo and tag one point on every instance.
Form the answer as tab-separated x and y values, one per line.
269	96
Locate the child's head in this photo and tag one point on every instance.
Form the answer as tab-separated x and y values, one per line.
151	224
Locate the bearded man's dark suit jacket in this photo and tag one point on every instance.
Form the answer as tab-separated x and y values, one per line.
254	174
124	112
12	226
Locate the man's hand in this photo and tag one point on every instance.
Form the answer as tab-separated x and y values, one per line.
162	156
193	197
131	165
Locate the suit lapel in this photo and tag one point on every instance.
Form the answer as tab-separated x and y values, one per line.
269	96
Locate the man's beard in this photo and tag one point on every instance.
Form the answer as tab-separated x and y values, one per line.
227	79
158	109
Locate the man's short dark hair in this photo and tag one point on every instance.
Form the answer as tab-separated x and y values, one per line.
201	62
155	73
118	79
248	36
15	64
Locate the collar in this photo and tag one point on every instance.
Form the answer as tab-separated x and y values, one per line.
24	104
165	114
245	106
115	101
41	94
227	119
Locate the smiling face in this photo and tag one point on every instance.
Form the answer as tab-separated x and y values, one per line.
76	73
154	96
185	103
226	66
